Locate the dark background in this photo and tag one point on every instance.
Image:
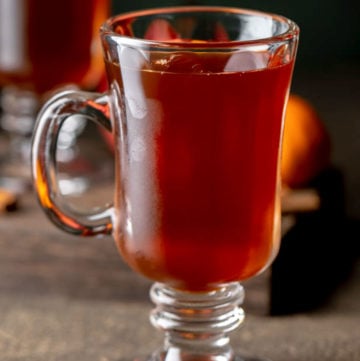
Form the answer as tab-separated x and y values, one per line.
327	71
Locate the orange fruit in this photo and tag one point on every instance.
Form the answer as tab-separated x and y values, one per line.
306	143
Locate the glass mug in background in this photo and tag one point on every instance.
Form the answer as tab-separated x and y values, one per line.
43	45
196	100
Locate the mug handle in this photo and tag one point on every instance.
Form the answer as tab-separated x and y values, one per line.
92	106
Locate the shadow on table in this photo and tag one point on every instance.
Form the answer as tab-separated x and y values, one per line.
318	254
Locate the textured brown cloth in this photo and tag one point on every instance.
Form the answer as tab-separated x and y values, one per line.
65	298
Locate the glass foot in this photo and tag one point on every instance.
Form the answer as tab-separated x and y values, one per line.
196	324
177	357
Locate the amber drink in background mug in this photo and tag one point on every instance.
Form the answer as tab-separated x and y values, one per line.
43	45
197	98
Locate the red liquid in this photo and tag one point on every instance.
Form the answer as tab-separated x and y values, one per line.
45	44
199	169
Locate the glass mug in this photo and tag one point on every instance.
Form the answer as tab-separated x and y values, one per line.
36	38
196	103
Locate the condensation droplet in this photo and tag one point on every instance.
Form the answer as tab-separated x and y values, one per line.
137	150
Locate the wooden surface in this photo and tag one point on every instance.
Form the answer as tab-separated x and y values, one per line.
64	298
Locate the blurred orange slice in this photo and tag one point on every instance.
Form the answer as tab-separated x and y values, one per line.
306	143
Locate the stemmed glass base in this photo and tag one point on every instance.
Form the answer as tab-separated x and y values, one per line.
197	324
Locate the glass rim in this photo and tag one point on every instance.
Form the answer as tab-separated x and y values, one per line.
107	27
